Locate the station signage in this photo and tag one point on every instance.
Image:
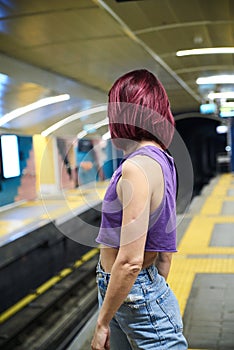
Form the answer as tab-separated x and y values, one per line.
227	110
208	108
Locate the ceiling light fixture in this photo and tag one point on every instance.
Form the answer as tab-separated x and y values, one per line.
137	40
96	126
219	95
206	51
227	104
216	79
3	78
221	129
226	109
31	107
106	136
72	118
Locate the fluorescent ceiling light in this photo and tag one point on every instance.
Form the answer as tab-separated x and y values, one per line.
3	78
106	136
227	104
221	129
205	51
90	128
226	109
41	103
72	118
216	79
98	125
82	134
218	95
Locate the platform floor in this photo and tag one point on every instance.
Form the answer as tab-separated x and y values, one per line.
18	219
202	274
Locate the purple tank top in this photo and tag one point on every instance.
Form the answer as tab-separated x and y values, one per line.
161	235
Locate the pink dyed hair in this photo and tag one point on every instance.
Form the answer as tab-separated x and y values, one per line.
139	109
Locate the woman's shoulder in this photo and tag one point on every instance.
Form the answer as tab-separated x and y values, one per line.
142	165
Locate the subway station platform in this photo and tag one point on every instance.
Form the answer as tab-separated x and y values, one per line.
202	273
21	218
48	256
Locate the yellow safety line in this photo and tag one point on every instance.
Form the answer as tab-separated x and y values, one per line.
184	271
46	286
89	255
196	242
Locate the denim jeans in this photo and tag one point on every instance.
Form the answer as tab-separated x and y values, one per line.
149	318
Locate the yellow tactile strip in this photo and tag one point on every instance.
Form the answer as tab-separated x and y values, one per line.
196	241
198	235
183	272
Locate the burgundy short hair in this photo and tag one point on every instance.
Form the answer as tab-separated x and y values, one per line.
139	109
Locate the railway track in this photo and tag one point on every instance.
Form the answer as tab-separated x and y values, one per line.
55	317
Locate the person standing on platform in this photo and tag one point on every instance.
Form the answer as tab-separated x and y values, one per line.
138	310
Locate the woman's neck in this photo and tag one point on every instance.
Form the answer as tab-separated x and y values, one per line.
140	144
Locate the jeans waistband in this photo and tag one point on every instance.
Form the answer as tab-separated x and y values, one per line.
150	272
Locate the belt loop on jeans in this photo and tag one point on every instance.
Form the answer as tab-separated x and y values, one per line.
150	273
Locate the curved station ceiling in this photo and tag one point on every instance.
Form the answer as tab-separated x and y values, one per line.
73	50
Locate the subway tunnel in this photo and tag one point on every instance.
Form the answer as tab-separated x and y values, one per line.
58	61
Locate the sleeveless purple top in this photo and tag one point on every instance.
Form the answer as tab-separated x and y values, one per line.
161	235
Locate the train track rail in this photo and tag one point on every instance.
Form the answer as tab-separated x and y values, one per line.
55	317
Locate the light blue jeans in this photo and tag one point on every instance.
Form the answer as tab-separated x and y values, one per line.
149	318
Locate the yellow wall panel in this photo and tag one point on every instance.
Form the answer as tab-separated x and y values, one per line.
44	161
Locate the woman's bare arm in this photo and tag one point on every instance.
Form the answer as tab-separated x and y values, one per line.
163	263
136	207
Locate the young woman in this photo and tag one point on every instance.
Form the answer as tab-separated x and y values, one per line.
138	310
